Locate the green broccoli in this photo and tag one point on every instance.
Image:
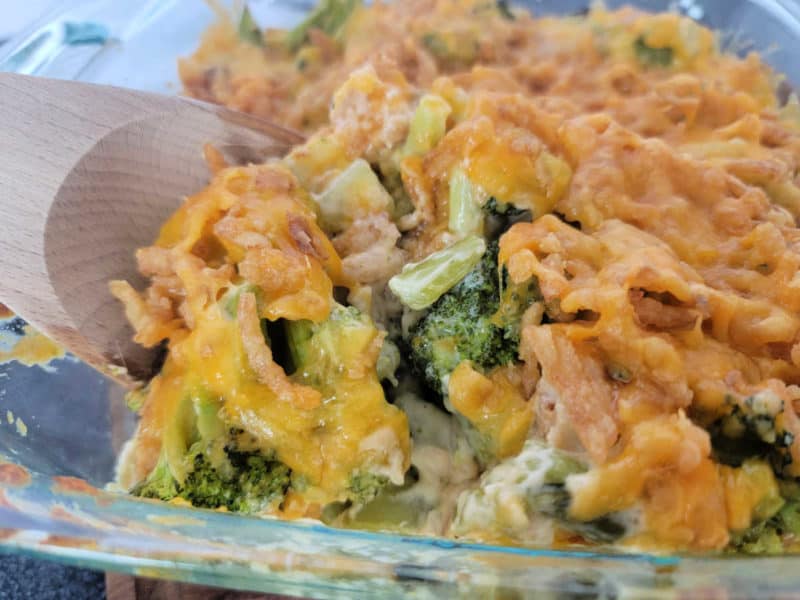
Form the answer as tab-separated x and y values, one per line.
553	499
333	355
329	16
242	481
497	208
323	353
248	29
354	191
159	484
388	362
377	504
535	480
247	482
752	428
515	299
477	320
428	125
770	536
211	465
364	487
420	284
481	445
651	56
466	216
230	299
453	45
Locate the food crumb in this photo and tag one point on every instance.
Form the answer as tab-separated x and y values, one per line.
32	348
10	417
22	429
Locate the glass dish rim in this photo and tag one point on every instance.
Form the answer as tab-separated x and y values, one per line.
791	11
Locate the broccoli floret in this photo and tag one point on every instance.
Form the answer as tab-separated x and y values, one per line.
553	499
323	353
329	16
247	482
474	321
364	487
230	300
496	208
244	481
211	465
258	482
515	299
159	484
753	428
354	191
770	536
459	327
338	357
204	486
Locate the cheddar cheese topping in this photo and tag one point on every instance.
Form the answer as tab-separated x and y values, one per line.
529	280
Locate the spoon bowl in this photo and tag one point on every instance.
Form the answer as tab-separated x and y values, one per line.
88	174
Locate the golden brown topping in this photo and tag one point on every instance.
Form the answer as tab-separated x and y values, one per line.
573	398
260	357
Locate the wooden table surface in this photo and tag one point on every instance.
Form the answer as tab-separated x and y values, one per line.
126	587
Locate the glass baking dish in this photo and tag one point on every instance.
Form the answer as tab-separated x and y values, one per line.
62	425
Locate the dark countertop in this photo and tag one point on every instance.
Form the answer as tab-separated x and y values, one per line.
23	578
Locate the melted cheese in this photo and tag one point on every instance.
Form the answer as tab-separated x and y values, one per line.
269	232
494	405
663	183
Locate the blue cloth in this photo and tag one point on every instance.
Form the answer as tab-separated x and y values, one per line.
23	578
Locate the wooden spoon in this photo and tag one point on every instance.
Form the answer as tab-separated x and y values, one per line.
88	174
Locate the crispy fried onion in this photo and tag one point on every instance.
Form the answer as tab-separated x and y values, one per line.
573	387
259	356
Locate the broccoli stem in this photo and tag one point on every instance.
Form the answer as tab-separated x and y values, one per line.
428	125
329	16
651	56
420	284
248	29
466	216
354	191
159	484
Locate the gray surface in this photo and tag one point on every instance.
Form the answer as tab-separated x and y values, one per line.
23	578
